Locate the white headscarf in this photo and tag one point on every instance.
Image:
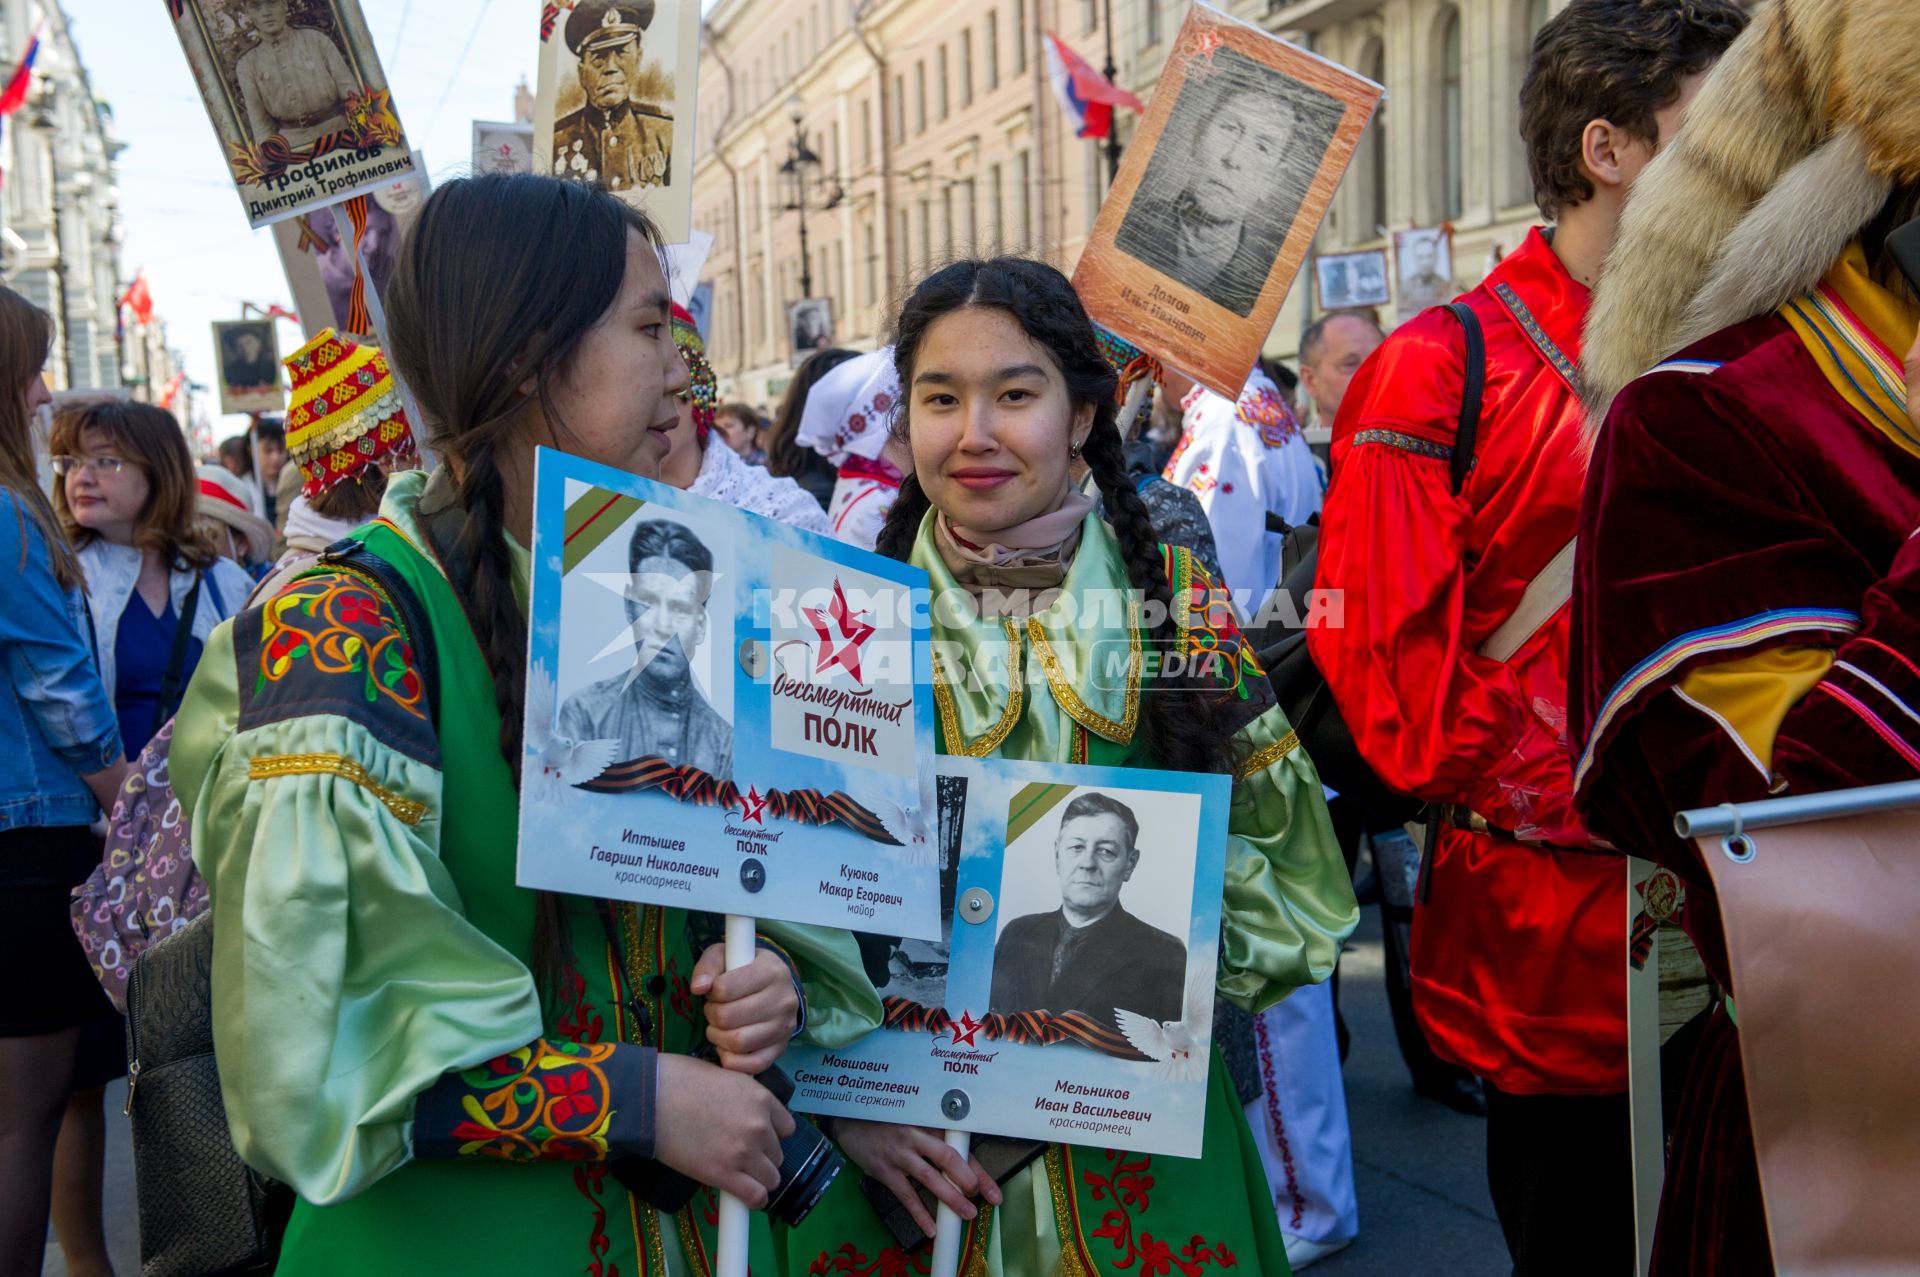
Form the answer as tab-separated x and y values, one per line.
849	411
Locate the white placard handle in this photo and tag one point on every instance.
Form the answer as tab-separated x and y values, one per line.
731	1243
947	1224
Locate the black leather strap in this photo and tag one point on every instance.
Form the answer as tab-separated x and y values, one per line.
175	678
1473	390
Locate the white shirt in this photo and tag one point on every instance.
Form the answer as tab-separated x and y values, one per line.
1244	460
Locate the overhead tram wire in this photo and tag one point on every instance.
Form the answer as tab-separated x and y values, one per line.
473	33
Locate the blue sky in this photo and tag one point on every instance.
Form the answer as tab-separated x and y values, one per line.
452	62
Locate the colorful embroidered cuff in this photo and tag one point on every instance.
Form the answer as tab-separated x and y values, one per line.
547	1101
799	989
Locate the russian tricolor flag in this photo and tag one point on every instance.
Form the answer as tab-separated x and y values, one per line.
15	95
1085	95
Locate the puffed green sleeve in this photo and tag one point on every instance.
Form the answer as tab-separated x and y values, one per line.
346	978
841	1004
1289	902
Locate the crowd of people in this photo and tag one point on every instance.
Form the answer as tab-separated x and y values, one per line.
1627	529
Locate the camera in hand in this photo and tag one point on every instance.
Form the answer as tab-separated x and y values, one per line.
809	1163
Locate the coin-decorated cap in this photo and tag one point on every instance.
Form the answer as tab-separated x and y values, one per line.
603	24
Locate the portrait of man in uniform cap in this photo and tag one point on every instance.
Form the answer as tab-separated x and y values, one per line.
615	137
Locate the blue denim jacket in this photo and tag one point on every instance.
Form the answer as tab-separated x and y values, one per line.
56	720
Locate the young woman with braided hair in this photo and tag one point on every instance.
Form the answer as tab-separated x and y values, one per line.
1003	387
454	1073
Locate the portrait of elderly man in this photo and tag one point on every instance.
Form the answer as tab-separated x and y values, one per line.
1227	177
295	82
615	138
1090	955
654	710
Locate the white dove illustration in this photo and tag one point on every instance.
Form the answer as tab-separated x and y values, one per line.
1179	1047
563	762
915	828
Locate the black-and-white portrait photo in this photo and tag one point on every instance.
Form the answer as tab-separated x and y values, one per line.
1351	280
810	322
290	69
1090	949
1228	177
249	358
655	708
614	123
1425	268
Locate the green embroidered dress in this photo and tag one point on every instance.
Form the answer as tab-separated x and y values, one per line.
1288	906
371	948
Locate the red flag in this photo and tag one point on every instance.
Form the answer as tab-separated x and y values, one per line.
276	311
173	388
15	95
139	298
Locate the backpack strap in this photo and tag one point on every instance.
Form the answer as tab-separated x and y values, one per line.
1472	392
176	676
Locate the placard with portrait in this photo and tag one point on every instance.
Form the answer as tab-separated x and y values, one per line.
724	713
1069	996
1349	281
615	102
1221	192
298	100
247	354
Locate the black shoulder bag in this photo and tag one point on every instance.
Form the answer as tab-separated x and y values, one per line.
1297	683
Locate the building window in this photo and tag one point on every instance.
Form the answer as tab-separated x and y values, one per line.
1092	23
1452	176
992	41
1370	165
946	219
833	153
926	231
919	98
1092	152
1019	37
944	99
871	259
971	208
902	261
966	68
1538	11
899	108
1149	23
996	215
866	133
814	22
1023	200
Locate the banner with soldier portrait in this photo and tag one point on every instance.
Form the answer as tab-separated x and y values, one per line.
297	98
615	103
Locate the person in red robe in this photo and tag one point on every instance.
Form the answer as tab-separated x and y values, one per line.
1450	665
1746	610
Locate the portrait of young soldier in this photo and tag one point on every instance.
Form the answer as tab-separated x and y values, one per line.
1227	178
294	81
1090	955
614	138
654	710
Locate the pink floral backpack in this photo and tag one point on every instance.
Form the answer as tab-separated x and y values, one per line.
146	886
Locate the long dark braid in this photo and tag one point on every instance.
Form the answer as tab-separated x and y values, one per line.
495	286
1183	726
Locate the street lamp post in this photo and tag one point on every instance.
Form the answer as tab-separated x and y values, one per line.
801	171
1113	124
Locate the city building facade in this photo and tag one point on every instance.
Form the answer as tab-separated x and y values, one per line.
936	135
60	220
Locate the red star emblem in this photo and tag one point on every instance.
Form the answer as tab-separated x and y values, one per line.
839	624
965	1028
1205	43
752	805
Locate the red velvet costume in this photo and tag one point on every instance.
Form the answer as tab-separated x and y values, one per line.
1518	949
1738	505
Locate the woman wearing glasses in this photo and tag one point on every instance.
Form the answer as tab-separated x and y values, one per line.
63	765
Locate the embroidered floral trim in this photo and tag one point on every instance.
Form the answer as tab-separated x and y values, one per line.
1264	410
545	1101
1206	626
1538	335
1405	442
1069	700
1127	1185
1269	755
405	810
957	742
334	625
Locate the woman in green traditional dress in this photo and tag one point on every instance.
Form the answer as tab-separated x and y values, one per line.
1003	387
456	1074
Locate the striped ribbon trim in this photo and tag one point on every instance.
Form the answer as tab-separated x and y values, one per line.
1022	1028
359	323
1725	639
1874	722
1859	364
688	784
1697	366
